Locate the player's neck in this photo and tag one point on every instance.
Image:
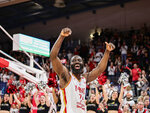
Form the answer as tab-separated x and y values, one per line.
78	76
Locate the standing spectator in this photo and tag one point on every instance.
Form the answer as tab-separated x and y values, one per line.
140	55
99	55
127	65
42	103
6	103
135	73
123	50
142	83
5	76
69	55
76	52
11	79
134	50
114	102
111	71
118	71
118	61
141	108
91	104
25	105
22	80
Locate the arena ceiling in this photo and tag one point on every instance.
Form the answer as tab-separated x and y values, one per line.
18	13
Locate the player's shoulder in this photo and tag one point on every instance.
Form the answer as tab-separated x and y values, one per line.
85	75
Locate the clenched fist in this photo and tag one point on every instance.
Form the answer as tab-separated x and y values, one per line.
110	46
65	32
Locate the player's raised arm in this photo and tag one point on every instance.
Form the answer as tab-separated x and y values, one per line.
102	64
58	67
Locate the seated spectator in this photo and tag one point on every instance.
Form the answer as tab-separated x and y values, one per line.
133	109
147	104
141	108
126	109
128	100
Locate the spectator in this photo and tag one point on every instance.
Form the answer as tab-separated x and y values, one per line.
25	105
118	61
118	71
91	104
147	104
111	71
14	108
141	108
101	108
126	109
128	100
134	50
69	55
42	103
98	56
6	103
123	50
142	83
135	73
127	65
114	102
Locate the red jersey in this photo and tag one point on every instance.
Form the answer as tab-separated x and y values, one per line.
135	74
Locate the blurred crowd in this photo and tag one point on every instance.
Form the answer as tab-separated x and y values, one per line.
132	56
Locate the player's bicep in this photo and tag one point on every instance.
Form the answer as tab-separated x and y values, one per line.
58	67
93	74
61	70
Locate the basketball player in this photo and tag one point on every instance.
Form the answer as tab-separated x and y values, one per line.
73	84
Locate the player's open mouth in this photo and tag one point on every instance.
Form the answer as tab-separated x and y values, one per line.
77	66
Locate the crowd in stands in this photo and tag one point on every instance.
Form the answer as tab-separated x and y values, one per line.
132	56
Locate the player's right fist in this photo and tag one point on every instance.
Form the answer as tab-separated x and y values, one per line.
65	32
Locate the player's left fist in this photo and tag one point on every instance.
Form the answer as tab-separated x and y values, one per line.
110	46
65	32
